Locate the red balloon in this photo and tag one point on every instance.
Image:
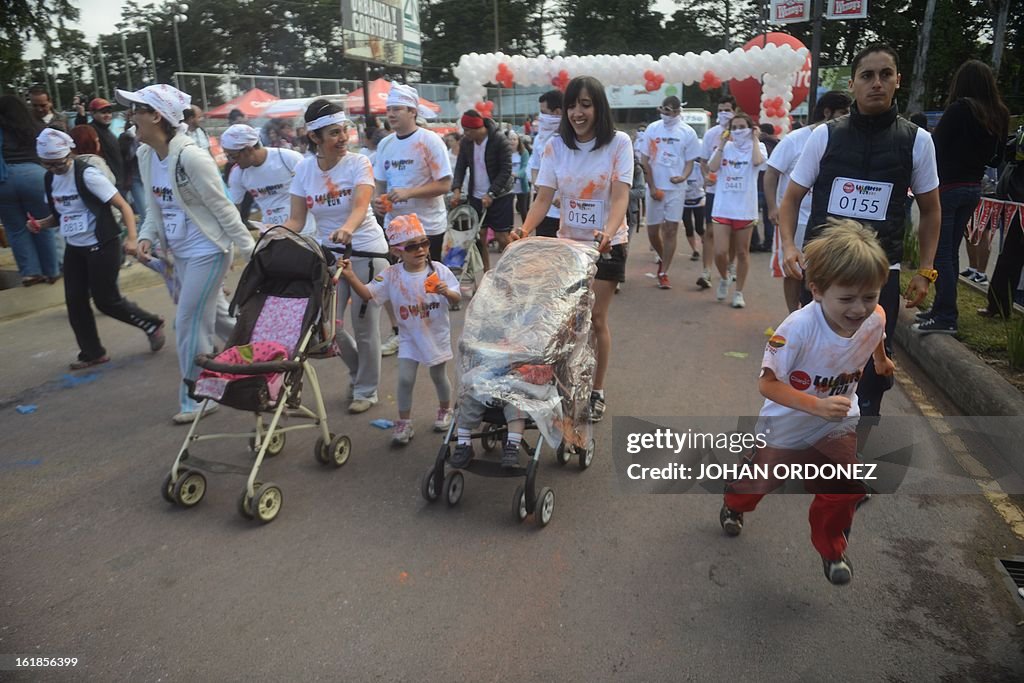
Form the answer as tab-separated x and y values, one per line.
748	92
778	130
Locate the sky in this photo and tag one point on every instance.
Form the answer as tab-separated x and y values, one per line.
100	16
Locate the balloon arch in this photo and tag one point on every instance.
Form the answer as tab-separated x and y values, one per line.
776	65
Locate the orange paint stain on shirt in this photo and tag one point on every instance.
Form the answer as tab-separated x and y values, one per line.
428	159
333	191
588	191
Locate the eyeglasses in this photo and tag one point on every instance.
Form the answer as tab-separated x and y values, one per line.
671	112
55	165
416	246
142	107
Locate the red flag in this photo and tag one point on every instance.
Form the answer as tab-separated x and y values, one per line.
1010	211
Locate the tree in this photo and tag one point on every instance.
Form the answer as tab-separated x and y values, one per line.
23	20
452	28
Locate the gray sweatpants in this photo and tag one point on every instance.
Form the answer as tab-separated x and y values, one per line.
361	354
471	413
407	369
202	313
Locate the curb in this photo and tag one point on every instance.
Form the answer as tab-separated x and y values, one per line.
974	387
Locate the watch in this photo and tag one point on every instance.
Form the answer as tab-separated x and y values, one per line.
929	274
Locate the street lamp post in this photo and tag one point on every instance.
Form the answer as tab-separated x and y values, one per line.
127	69
152	57
179	19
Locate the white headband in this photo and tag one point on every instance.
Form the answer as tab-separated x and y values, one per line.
53	144
324	121
239	136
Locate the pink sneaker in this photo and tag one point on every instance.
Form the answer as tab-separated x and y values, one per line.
444	420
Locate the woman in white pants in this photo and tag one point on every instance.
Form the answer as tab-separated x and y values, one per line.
189	214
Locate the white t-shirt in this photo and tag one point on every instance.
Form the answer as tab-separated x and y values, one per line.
584	177
923	178
481	180
424	332
736	186
534	165
694	195
77	222
805	353
328	196
668	150
184	238
783	159
709	143
414	161
639	143
270	184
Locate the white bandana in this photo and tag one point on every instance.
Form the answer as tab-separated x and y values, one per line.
403	228
53	144
328	120
239	136
724	117
547	125
403	96
169	102
743	139
670	121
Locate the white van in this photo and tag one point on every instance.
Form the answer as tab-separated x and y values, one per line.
698	119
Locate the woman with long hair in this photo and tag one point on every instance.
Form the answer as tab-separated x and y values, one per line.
589	160
197	225
89	149
21	194
970	133
336	185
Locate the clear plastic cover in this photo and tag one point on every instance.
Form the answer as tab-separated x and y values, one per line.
527	341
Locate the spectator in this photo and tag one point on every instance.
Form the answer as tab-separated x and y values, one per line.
194	117
102	116
919	119
520	168
237	116
1007	274
129	147
768	230
42	109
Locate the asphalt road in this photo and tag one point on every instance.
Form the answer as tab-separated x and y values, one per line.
359	579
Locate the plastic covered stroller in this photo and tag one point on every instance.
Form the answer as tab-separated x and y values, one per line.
286	313
460	252
527	342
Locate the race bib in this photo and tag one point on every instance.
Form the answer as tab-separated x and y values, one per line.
73	224
735	183
584	214
276	215
862	199
174	223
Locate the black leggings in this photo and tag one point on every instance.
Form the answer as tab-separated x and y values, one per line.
693	220
92	272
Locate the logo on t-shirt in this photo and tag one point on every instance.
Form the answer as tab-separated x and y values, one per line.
267	191
64	200
838	385
421	310
850	188
398	164
775	343
799	380
164	194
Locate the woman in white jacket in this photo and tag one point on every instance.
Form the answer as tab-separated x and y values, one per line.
189	214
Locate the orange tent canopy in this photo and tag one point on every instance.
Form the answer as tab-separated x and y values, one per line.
379	90
251	104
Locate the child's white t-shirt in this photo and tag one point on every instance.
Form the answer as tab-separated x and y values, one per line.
414	161
77	222
583	178
667	150
424	332
808	355
736	184
328	196
270	186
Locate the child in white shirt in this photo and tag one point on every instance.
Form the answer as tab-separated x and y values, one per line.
420	290
809	373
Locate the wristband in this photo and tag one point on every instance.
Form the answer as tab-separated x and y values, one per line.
929	274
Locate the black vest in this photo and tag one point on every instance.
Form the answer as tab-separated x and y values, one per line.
107	227
874	148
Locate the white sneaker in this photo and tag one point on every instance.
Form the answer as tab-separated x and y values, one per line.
361	405
186	417
444	420
723	289
389	346
732	272
403	433
737	300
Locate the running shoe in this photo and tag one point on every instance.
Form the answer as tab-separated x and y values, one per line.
461	456
737	300
979	278
157	338
723	289
732	272
731	521
187	416
403	433
704	281
663	281
444	420
930	326
923	314
510	456
695	256
361	405
597	407
838	572
389	346
83	364
968	273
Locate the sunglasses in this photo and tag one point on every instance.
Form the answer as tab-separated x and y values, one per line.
145	108
55	165
416	246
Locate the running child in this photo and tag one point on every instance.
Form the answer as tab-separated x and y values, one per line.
417	287
809	373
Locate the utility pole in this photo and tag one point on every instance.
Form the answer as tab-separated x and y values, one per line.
816	18
127	69
152	58
103	70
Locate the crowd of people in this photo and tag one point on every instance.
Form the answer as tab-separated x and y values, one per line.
831	199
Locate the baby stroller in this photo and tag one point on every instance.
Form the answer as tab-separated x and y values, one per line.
526	343
285	308
459	250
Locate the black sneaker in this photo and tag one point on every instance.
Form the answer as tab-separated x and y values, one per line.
704	281
731	521
597	407
923	314
931	327
968	273
462	456
838	572
695	256
510	456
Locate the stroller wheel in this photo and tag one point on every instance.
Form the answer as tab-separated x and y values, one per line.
321	451
545	506
489	440
454	484
243	505
339	450
587	456
562	454
167	490
275	446
428	486
190	489
266	503
519	504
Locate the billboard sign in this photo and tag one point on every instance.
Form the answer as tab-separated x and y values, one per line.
382	31
790	11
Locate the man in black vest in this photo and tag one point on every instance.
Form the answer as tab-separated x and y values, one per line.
102	116
861	166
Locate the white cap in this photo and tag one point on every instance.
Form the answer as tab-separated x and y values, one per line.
167	101
239	136
53	144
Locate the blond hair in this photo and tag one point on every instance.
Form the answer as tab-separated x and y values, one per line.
846	254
